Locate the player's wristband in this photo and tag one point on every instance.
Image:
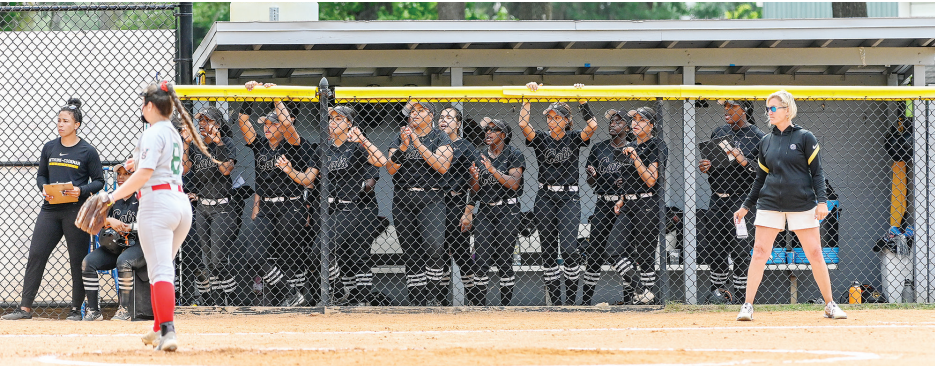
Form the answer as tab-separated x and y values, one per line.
586	111
398	156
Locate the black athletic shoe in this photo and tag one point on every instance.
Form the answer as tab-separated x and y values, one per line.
18	314
74	315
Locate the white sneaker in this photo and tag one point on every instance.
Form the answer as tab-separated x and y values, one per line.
645	297
168	342
834	312
746	312
151	339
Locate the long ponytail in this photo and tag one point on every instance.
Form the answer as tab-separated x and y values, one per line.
187	120
163	96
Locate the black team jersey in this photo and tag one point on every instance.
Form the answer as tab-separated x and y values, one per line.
79	164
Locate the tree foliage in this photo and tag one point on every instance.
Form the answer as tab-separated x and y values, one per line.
548	11
204	15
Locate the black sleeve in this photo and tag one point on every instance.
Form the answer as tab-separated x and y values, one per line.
224	153
519	160
42	176
754	195
812	152
95	172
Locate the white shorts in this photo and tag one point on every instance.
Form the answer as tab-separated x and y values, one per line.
778	220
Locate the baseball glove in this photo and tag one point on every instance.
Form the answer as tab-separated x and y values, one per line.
93	213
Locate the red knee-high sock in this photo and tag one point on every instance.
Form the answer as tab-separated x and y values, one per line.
164	295
152	300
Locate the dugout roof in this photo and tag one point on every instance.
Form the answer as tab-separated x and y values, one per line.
855	51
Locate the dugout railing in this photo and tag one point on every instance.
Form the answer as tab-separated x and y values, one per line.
875	150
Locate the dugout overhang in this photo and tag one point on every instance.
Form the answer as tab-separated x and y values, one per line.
855	51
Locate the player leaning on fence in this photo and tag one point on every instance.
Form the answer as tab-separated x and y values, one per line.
67	159
217	216
558	206
789	188
419	159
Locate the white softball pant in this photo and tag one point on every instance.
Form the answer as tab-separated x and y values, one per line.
164	217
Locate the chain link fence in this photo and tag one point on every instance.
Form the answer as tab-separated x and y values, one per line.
100	54
537	227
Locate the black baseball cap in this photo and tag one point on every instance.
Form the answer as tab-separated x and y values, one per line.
623	113
746	105
561	108
344	110
648	114
425	105
501	125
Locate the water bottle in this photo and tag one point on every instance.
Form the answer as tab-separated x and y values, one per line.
517	259
853	294
908	293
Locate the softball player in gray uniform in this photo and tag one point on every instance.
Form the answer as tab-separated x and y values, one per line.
165	214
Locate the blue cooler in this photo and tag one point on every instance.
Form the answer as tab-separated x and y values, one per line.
830	255
778	257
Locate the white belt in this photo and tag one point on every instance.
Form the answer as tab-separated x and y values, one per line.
212	202
280	199
722	195
332	200
417	189
509	201
609	197
559	188
631	197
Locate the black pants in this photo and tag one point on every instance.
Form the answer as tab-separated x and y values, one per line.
51	226
191	277
558	215
273	248
496	230
635	235
103	260
722	242
419	217
352	227
602	223
217	227
457	247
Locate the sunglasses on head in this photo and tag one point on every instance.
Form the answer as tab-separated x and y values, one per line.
774	109
494	129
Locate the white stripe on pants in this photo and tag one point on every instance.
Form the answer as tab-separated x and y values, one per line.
165	217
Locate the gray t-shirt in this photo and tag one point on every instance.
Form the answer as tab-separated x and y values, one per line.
160	149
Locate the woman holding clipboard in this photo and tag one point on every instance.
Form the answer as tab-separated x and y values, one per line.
67	159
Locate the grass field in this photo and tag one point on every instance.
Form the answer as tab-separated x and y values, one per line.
677	335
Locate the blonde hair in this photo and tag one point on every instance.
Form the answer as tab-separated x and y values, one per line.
786	99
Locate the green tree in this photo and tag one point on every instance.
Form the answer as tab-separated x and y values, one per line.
204	15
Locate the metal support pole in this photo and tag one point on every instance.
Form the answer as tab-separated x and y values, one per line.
186	45
690	193
324	97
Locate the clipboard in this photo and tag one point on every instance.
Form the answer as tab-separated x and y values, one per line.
55	190
715	150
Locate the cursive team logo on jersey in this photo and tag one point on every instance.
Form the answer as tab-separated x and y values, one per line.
339	162
202	162
553	156
267	162
610	166
127	215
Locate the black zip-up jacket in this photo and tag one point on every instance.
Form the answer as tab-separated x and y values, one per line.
789	178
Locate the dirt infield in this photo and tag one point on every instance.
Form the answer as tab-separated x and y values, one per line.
455	337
